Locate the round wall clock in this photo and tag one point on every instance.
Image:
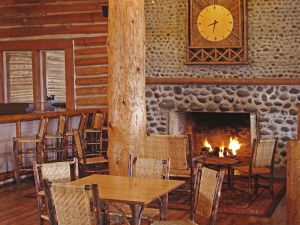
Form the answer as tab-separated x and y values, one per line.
215	23
216	32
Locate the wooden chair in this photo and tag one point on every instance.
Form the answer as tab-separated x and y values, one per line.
145	168
58	137
93	135
69	142
208	187
260	166
29	154
54	172
70	204
88	164
179	149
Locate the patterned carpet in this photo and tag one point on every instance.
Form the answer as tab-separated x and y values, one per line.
262	205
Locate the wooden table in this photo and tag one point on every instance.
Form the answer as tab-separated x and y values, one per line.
136	192
221	162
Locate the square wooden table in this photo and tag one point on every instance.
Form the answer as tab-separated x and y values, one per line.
136	192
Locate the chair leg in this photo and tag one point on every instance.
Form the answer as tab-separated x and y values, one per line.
271	184
255	185
250	187
233	183
16	163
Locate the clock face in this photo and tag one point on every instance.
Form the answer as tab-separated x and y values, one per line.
215	23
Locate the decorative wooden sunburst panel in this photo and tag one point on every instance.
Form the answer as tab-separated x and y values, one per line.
216	32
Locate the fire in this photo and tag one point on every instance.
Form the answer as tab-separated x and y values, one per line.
222	148
234	145
207	145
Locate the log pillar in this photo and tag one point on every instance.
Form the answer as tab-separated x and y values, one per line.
293	182
126	83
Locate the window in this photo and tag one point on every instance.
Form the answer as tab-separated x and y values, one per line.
39	72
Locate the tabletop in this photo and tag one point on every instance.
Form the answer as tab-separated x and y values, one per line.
130	190
220	161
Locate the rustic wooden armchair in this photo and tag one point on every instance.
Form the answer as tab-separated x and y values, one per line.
179	149
145	168
58	137
260	166
21	158
69	142
208	185
93	135
54	172
89	165
70	204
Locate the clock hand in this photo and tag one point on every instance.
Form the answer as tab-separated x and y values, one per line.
214	25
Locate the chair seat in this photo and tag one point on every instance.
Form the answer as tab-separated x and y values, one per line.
69	132
185	173
255	170
27	139
94	160
90	130
174	222
48	136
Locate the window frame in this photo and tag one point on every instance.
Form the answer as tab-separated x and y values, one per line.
36	46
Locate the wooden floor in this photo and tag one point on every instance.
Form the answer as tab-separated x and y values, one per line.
18	207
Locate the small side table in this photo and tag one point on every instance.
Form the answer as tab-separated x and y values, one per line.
221	162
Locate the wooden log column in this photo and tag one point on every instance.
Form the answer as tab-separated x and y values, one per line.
126	83
293	183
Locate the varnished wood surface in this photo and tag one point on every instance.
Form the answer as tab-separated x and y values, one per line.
36	116
220	161
293	182
129	190
223	81
19	207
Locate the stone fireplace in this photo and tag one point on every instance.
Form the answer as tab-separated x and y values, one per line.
275	107
216	129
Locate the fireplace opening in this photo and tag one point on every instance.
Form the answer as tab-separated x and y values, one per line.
221	134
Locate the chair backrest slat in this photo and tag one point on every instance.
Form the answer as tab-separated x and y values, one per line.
82	122
207	195
168	146
263	154
149	168
42	128
72	204
78	145
62	121
98	120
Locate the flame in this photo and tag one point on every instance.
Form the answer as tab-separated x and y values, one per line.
234	145
221	152
207	145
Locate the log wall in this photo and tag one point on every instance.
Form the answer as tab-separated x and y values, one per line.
78	20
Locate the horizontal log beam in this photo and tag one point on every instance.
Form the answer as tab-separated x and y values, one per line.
92	101
91	61
91	51
28	9
60	29
91	81
223	81
91	41
91	91
86	71
54	19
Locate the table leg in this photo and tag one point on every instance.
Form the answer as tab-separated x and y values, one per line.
136	211
229	176
164	206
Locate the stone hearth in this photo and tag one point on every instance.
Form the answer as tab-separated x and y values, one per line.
276	107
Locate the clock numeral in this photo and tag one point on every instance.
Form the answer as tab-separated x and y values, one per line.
215	38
